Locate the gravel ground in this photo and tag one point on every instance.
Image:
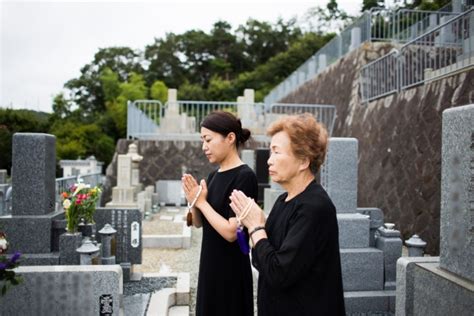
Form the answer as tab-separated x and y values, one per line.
147	285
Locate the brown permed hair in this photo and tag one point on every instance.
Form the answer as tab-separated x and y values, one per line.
309	139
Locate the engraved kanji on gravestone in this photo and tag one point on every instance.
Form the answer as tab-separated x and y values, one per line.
135	236
106	305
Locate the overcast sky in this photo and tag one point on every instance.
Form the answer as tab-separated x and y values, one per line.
44	44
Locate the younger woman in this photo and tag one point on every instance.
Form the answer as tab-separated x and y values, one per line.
225	277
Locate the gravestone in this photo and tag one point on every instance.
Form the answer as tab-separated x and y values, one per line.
65	290
445	285
128	239
248	157
364	263
457	192
261	171
339	173
34	174
29	227
123	195
135	160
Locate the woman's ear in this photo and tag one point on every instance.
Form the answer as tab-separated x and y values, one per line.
231	138
305	164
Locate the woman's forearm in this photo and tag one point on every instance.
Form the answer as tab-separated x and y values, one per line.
226	228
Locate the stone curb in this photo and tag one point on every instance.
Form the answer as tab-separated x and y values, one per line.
163	300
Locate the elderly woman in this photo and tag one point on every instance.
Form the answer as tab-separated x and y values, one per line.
296	251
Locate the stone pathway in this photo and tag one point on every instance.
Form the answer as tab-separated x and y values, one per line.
174	260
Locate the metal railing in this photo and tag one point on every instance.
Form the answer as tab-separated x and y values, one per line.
447	48
181	120
325	114
443	50
143	116
405	25
380	77
374	25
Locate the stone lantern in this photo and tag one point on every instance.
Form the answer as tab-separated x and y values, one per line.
88	252
108	241
416	246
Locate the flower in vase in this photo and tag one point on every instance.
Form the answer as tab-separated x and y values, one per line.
80	202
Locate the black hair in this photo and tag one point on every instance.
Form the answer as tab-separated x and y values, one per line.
223	122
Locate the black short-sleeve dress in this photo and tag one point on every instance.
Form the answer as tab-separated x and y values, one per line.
225	276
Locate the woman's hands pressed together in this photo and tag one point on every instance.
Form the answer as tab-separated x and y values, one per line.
245	207
191	189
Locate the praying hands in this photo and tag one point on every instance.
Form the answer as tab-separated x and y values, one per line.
247	211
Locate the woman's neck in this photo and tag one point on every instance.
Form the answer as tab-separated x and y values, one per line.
230	161
298	184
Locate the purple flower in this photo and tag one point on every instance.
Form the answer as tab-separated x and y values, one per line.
3	266
15	257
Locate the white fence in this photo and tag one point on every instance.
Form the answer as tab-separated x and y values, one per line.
165	123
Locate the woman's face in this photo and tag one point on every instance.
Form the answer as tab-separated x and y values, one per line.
215	146
282	163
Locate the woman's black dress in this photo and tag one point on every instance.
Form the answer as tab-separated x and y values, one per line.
225	276
299	263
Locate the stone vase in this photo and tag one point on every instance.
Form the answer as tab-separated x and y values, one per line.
68	243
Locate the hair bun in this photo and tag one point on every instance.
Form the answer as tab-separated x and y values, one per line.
244	135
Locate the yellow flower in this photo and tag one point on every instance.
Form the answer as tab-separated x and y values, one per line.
66	203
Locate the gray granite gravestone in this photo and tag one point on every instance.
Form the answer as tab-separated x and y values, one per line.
248	157
339	173
457	192
66	290
376	220
365	267
445	285
128	238
33	173
33	185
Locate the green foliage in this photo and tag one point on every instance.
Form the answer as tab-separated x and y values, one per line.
189	91
369	4
75	139
159	91
325	19
16	121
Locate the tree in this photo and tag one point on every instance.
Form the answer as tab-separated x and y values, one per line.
369	4
17	121
87	92
324	19
163	57
262	40
159	91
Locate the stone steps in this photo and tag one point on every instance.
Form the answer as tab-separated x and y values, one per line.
370	302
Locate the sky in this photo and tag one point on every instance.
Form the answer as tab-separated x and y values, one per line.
43	44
